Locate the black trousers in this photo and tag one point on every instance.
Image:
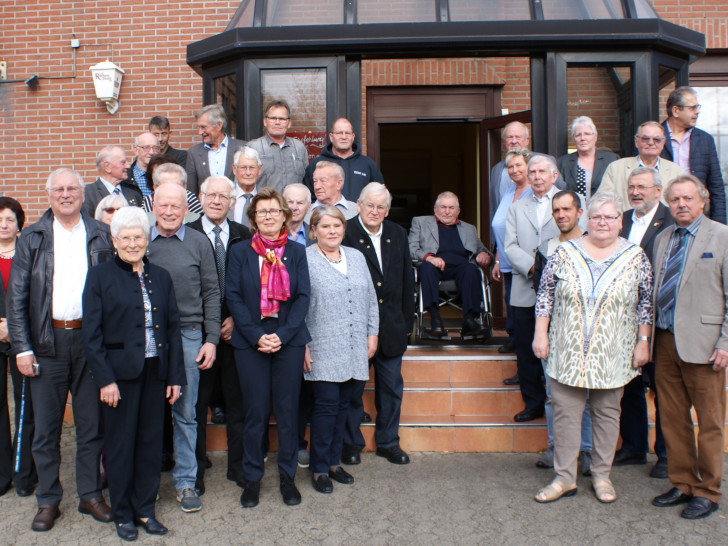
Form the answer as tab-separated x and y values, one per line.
328	420
633	426
466	276
133	444
529	367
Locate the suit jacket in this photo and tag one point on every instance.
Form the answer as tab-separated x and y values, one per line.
393	282
522	242
567	167
197	163
93	194
180	156
4	347
701	316
242	292
661	220
617	173
113	323
705	166
424	238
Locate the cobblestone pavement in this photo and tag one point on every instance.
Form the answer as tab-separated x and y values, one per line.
458	498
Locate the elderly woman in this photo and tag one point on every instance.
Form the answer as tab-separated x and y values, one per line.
344	325
108	206
267	294
582	170
516	161
132	341
596	290
12	218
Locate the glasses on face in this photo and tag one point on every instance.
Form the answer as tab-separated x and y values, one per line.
215	196
69	189
605	218
691	107
342	133
381	209
274	213
639	187
277	120
648	139
110	210
148	149
127	240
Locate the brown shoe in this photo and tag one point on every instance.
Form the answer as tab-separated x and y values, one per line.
97	508
44	519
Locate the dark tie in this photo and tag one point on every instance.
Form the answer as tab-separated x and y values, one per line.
668	289
244	217
220	259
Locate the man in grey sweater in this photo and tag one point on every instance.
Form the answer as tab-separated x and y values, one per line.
188	257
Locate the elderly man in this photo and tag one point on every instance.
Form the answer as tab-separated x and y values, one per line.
649	140
447	248
385	247
247	168
187	255
160	128
692	148
284	158
640	225
112	165
172	172
328	179
217	198
359	169
214	155
528	224
44	323
299	201
691	347
145	146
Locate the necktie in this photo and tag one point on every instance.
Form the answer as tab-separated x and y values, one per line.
244	217
220	259
668	289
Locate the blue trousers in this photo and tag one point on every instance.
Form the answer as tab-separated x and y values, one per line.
328	419
466	276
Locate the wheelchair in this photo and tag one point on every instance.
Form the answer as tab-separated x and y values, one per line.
448	295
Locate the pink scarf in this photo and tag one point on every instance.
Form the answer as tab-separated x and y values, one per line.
275	285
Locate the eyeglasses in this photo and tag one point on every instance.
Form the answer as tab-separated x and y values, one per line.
215	196
69	189
277	120
274	213
691	107
127	240
649	139
639	188
110	210
342	133
606	219
372	207
148	148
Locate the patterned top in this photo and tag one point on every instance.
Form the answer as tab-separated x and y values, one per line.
595	308
150	347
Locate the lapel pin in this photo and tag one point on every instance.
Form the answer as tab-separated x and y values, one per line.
389	241
361	241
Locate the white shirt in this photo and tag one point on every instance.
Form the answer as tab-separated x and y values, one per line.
543	207
240	203
109	186
376	241
70	264
207	227
640	225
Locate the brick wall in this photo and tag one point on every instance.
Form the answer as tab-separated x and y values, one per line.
707	16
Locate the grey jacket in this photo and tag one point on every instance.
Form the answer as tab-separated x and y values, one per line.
424	238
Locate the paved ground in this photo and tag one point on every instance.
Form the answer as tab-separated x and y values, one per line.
437	499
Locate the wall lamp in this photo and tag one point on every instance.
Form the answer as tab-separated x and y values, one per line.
107	83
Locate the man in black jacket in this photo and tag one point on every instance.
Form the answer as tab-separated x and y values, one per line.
44	319
385	247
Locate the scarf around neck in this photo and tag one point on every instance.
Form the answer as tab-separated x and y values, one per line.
275	285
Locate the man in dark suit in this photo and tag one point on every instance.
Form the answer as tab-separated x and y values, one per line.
640	225
160	128
214	155
217	196
385	247
112	165
692	148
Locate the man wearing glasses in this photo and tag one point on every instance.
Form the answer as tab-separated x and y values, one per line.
145	146
247	168
692	148
359	170
649	140
284	158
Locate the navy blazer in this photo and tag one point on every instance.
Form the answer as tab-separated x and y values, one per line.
661	220
242	292
567	167
113	323
705	166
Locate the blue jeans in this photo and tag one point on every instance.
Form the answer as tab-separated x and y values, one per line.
183	415
586	422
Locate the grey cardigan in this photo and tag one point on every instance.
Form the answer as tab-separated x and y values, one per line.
342	313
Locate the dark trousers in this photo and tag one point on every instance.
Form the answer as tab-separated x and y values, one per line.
265	377
529	367
133	444
507	282
388	389
328	420
633	419
466	276
305	403
67	370
168	433
26	476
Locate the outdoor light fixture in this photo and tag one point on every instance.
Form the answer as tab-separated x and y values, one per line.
107	82
32	81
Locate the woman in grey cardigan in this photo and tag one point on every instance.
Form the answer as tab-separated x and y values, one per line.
343	319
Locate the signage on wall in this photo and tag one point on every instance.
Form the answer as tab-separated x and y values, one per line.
314	142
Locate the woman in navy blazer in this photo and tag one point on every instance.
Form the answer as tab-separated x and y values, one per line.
133	345
267	291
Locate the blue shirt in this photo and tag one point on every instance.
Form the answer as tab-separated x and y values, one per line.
299	236
180	233
217	158
140	177
499	225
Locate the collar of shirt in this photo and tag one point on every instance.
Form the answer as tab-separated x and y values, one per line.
378	234
342	203
108	185
692	228
299	236
645	219
207	226
656	167
270	142
223	144
239	193
139	174
57	225
669	133
437	221
180	233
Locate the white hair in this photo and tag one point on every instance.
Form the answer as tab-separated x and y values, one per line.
248	153
112	200
63	170
129	217
377	188
299	186
230	183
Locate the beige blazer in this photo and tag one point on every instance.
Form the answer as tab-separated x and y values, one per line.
617	173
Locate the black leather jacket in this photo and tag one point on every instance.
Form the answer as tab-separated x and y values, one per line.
30	290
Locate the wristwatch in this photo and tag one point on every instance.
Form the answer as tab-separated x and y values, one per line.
644	338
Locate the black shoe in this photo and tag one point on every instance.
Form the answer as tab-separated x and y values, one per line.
393	454
127	531
622	458
699	507
529	414
471	327
251	495
672	498
167	462
341	476
5	489
660	468
437	328
322	484
217	415
235	477
350	455
208	462
152	526
290	494
200	487
24	491
508	347
512	380
366	418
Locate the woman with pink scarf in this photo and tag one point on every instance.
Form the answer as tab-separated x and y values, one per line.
267	289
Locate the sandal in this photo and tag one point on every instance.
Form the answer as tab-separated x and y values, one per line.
604	491
554	491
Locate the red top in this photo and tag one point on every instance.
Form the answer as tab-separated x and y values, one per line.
5	265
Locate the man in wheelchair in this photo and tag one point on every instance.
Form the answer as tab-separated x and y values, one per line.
446	248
